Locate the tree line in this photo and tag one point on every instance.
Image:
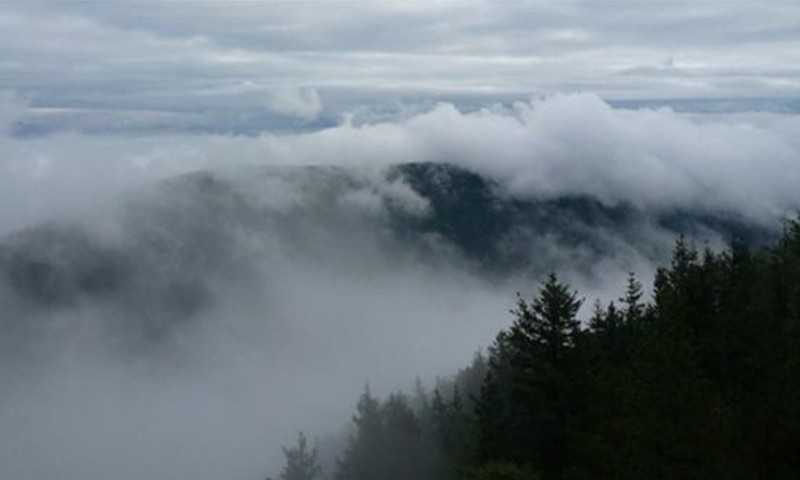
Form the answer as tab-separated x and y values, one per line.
701	381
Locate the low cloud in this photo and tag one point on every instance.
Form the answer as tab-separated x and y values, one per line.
560	145
269	294
303	103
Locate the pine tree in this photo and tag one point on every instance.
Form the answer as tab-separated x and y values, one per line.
301	463
495	423
388	443
704	382
549	323
360	461
633	307
543	337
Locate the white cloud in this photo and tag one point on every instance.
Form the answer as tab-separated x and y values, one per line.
166	56
302	103
289	339
564	144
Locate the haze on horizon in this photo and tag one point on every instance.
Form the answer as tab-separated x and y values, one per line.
243	66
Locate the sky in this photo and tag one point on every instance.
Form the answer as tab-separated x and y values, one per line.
240	66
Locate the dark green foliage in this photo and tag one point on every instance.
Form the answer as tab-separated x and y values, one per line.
452	424
494	408
499	231
703	382
543	392
501	471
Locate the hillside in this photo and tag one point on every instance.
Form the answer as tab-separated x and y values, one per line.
197	227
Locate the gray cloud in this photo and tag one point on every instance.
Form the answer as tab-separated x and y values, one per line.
286	324
302	103
565	144
167	57
288	331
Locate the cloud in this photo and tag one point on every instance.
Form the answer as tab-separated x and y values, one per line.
12	108
169	58
223	397
303	103
285	292
575	144
285	342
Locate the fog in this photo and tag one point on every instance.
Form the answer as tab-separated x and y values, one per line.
241	298
562	144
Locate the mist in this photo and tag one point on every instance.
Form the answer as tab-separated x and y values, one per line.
236	295
557	145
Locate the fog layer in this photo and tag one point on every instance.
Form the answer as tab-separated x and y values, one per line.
179	306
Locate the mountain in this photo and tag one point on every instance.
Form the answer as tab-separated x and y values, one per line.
473	212
179	240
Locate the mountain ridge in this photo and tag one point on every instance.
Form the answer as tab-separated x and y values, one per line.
202	228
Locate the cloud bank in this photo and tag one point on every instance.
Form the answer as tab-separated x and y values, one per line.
274	326
573	144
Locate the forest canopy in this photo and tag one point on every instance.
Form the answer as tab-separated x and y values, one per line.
702	381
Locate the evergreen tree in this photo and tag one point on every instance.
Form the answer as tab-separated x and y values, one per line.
633	308
360	461
301	463
388	444
542	339
548	325
497	432
701	382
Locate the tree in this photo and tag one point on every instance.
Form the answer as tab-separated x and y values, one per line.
526	406
301	463
388	443
501	471
493	407
632	301
359	461
543	338
548	325
701	382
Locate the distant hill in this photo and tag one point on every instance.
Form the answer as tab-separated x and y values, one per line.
193	230
488	225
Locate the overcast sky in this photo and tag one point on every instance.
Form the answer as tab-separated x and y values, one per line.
161	61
